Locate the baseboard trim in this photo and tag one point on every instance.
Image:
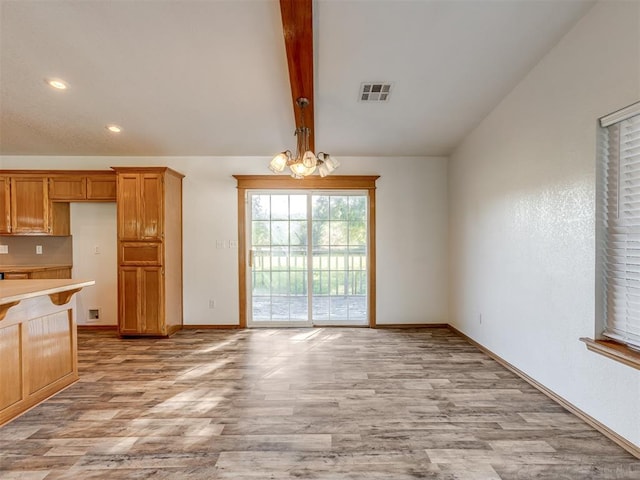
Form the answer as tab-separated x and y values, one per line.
412	325
97	327
210	327
384	325
606	431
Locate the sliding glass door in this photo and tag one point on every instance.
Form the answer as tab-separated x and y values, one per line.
307	258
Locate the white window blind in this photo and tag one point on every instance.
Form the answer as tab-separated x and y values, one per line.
620	254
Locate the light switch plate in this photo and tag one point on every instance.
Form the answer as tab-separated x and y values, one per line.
4	248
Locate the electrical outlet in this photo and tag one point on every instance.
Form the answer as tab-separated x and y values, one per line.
4	249
38	249
96	250
212	304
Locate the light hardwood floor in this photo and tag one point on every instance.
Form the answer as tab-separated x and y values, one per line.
330	403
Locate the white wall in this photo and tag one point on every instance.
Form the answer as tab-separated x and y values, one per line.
94	225
411	230
522	202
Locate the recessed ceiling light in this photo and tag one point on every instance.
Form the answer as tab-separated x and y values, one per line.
56	83
114	128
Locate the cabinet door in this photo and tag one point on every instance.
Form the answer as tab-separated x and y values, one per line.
51	273
129	203
68	188
141	301
152	300
16	276
101	187
30	209
129	301
5	205
140	253
140	206
151	207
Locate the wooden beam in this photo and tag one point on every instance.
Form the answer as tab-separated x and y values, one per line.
297	26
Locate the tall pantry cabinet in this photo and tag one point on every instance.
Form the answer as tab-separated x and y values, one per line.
149	208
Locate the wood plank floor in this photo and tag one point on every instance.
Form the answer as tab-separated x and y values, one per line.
301	403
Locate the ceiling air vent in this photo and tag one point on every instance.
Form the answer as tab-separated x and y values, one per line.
375	92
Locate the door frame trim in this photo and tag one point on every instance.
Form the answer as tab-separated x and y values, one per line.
280	182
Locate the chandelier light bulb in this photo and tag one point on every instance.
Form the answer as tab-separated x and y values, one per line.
309	159
298	169
331	162
279	162
296	173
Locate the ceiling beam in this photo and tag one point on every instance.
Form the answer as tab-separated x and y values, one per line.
297	25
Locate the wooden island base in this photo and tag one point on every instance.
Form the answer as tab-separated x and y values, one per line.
38	343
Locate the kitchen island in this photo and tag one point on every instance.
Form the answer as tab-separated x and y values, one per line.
38	342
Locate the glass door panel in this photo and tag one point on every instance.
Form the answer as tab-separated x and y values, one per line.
278	260
339	258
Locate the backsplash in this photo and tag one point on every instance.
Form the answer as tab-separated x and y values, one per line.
22	250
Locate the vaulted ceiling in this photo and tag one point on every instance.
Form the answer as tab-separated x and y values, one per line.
209	77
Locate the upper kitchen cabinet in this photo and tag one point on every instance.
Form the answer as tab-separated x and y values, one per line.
5	205
79	186
69	188
101	188
30	206
140	204
26	209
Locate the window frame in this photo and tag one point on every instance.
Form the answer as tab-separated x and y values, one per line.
603	344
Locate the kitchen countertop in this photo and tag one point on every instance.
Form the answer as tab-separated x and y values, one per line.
12	291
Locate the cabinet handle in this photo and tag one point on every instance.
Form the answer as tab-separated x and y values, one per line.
250	258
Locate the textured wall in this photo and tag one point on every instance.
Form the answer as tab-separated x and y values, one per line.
522	203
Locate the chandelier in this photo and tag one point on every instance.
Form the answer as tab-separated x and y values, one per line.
305	162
